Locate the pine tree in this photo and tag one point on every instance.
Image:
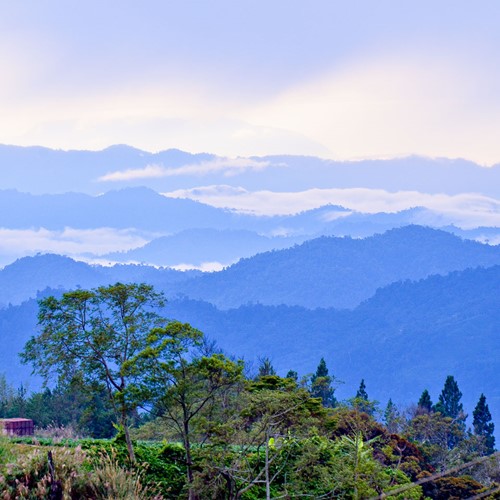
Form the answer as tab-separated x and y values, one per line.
392	417
266	367
425	401
449	400
361	401
483	425
321	385
293	375
362	394
449	405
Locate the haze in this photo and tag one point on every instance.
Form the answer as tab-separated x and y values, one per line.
339	80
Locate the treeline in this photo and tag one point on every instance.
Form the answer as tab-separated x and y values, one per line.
286	435
243	434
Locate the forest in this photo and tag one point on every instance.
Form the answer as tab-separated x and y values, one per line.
136	405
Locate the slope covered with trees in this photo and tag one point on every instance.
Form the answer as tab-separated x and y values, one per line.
339	272
25	277
245	433
406	338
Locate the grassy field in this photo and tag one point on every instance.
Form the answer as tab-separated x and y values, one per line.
85	468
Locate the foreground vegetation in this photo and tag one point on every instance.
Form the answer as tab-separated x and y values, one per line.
177	418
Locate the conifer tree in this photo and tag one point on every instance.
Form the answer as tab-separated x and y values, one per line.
321	385
266	367
425	401
449	405
361	401
391	417
449	400
362	394
293	375
483	425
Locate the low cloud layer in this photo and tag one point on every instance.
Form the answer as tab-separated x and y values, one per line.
15	243
464	210
206	267
227	166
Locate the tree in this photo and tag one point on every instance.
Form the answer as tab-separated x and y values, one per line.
95	333
6	397
344	467
449	400
432	430
425	402
266	367
254	446
449	405
392	417
180	382
361	402
361	392
321	385
483	425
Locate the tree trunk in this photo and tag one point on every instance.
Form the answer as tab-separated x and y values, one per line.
268	480
130	446
189	462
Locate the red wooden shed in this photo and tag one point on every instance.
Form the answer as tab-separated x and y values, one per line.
17	426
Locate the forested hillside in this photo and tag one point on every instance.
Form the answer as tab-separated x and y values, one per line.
324	272
339	272
405	338
195	247
25	277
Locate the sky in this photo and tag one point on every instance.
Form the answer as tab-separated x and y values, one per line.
337	79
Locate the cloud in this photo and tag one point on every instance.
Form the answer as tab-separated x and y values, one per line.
206	267
394	104
73	242
228	167
148	172
465	210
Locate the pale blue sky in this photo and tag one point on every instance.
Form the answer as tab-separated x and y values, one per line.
336	79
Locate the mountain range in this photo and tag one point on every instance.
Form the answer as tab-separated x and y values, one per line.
337	272
140	225
314	258
174	208
41	170
407	337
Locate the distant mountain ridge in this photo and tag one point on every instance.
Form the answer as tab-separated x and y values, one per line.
407	337
137	217
42	170
116	209
339	272
323	272
198	246
27	276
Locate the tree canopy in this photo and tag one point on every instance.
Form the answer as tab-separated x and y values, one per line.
93	334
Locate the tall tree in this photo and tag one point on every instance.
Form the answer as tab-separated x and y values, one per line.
266	367
361	402
180	382
321	385
392	417
449	405
96	332
425	402
449	400
361	392
483	425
